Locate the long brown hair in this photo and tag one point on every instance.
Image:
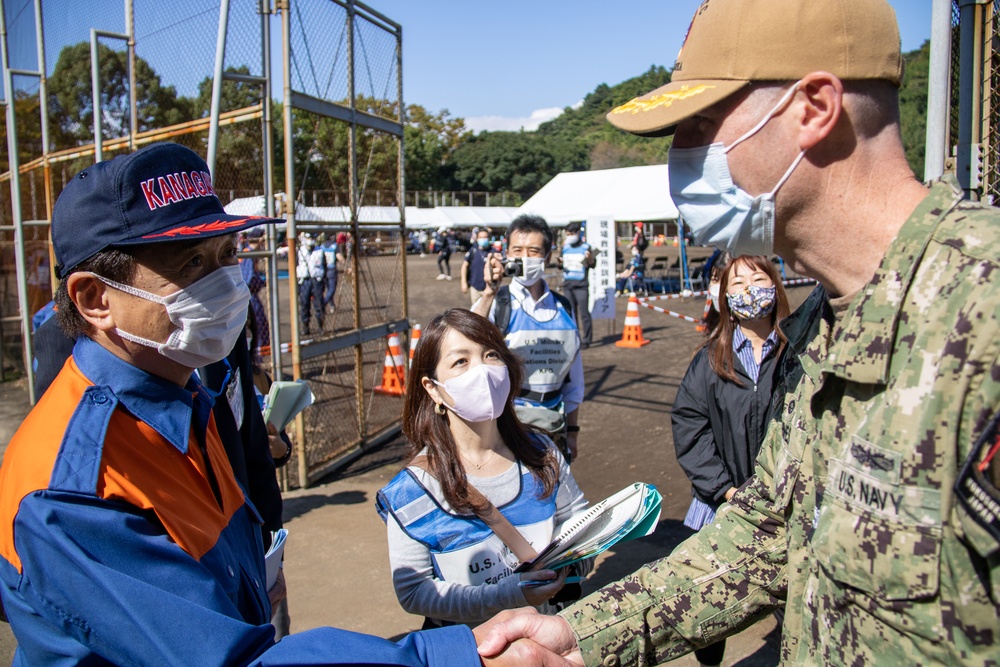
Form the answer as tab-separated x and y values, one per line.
424	427
720	341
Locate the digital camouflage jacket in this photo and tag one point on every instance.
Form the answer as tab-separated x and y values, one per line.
863	518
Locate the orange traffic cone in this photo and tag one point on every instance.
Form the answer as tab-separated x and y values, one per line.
632	334
393	370
414	339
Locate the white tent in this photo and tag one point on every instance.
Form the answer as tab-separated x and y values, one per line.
416	218
474	216
626	194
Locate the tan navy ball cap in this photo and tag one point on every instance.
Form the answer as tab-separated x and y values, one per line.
731	43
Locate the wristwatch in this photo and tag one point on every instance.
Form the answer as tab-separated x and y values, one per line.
572	429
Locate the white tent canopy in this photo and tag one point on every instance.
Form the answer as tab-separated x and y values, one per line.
473	216
626	194
416	218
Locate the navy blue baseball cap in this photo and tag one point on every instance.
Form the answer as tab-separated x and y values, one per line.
160	193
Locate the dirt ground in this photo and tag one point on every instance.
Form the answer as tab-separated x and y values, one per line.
342	577
336	560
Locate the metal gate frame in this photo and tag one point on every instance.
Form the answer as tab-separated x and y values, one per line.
294	99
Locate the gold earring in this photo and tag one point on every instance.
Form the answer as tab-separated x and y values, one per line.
439	408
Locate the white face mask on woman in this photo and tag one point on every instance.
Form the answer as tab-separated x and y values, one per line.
210	314
479	393
717	211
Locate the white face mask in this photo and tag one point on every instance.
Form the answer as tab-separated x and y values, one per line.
534	267
479	393
713	293
210	314
716	210
572	239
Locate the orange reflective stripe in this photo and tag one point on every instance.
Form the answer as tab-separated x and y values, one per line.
138	466
31	454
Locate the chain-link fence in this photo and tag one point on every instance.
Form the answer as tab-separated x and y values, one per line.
344	64
169	74
975	79
991	104
156	68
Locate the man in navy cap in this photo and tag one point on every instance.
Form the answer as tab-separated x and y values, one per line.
124	536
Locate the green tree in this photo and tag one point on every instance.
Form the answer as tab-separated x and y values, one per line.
27	113
71	100
518	161
607	146
913	106
430	141
239	161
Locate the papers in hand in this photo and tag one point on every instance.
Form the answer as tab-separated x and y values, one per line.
285	400
632	512
272	559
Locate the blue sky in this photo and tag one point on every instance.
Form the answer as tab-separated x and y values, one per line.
499	65
516	63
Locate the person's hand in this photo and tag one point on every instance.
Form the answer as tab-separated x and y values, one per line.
279	448
278	592
553	633
526	652
571	444
465	287
538	595
730	492
492	274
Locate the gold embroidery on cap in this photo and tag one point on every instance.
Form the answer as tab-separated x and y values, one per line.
664	100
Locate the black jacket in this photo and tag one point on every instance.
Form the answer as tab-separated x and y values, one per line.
718	426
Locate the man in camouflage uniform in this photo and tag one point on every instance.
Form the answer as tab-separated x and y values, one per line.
874	516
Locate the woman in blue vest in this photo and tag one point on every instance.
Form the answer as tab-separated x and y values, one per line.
447	564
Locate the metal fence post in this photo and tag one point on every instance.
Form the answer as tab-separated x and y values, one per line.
969	162
938	90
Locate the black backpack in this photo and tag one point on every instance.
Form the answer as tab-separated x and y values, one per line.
501	313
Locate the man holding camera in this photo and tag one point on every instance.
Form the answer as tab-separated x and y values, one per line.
540	326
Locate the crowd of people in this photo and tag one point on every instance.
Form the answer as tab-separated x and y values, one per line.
842	458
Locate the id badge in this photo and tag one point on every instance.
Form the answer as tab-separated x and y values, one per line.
979	478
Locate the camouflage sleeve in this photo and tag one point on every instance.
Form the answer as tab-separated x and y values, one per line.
718	582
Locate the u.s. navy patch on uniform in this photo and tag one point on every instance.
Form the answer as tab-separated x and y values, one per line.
977	482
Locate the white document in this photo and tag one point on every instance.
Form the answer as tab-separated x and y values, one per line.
272	559
631	513
285	400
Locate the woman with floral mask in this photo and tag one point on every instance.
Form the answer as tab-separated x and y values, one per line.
472	455
724	401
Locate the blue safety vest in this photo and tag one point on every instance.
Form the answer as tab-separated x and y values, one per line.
463	548
546	348
572	261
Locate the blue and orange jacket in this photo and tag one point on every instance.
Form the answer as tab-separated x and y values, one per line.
125	539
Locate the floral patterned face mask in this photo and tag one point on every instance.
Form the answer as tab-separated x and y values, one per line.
752	302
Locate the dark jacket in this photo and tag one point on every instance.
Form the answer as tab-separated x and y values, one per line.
718	426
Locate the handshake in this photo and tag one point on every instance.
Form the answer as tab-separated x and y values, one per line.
525	637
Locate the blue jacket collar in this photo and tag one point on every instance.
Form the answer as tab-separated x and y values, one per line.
161	404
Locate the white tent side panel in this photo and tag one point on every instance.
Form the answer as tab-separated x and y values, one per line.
627	194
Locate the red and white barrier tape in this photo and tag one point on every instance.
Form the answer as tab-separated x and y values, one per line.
669	312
